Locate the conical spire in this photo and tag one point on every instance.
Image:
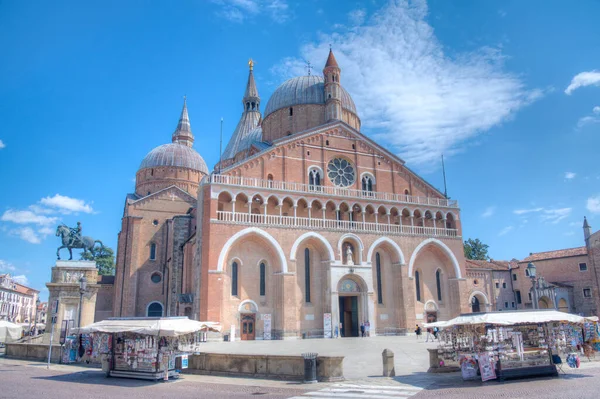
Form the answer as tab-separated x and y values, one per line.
251	98
585	223
331	62
183	134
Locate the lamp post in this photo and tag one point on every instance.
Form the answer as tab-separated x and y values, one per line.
37	305
82	289
531	269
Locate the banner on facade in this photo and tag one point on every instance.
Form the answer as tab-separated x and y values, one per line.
267	326
327	325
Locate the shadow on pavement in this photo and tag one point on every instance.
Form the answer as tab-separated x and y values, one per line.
98	378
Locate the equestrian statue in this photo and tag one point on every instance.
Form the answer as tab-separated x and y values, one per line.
72	238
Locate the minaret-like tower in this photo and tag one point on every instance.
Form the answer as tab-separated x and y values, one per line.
183	134
251	98
333	101
587	230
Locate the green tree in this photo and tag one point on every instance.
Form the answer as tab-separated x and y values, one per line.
105	260
476	250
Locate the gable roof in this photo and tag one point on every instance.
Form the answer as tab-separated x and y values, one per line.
561	253
322	129
164	190
484	264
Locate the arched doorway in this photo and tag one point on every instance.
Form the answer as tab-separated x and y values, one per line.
563	306
248	310
544	303
155	309
475	306
349	292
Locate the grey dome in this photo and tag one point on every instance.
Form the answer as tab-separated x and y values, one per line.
174	154
304	90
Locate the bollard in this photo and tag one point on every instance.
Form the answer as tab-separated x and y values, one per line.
310	368
388	363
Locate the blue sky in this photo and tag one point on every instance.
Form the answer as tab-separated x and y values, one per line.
506	90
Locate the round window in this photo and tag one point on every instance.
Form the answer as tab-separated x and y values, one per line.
155	222
156	278
341	172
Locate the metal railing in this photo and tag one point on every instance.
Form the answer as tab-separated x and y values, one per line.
329	190
331	224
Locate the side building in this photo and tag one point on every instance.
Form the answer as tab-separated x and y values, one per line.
17	301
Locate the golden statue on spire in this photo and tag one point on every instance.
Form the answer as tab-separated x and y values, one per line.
251	64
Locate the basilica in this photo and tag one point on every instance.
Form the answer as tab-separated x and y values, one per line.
305	228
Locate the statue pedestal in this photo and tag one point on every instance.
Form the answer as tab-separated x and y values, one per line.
64	286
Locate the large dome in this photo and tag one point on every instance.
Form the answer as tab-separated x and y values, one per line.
174	154
303	90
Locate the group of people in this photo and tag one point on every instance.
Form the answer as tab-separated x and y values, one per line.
365	329
432	333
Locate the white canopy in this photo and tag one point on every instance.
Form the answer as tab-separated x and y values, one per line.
9	331
158	326
510	318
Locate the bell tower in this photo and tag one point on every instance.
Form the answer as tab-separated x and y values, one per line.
333	101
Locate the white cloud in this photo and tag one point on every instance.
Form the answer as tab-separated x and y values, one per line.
6	266
593	204
489	211
570	175
524	211
240	10
67	204
2	145
587	120
505	230
410	95
21	279
596	110
357	17
591	78
45	231
26	234
27	217
555	215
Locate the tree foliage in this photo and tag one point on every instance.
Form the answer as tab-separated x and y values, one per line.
476	250
105	260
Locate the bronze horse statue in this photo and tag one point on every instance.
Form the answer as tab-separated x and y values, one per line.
85	243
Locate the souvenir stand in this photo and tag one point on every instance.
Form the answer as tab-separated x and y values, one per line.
510	344
143	347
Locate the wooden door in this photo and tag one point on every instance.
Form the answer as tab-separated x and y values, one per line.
248	324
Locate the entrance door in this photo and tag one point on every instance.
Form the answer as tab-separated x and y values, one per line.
248	322
349	316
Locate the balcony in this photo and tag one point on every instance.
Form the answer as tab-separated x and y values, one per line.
250	182
329	224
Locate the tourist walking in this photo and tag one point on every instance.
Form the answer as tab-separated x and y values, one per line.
418	332
362	330
429	335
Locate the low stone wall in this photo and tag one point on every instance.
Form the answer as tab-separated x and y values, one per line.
33	352
329	368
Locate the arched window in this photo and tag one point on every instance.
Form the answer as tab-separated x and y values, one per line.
262	279
155	309
234	279
378	266
152	251
475	305
367	184
307	274
438	282
418	286
314	179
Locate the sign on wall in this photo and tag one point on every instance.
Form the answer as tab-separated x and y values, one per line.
327	325
267	326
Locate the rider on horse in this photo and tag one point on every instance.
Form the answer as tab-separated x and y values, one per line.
75	234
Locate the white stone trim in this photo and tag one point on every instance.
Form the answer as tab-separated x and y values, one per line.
245	301
476	293
389	241
355	238
312	234
443	247
245	232
437	308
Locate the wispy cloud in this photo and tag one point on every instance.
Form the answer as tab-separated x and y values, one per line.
489	211
549	215
590	119
570	175
239	11
21	279
27	234
593	204
409	93
2	145
27	217
357	17
591	78
6	266
505	230
67	204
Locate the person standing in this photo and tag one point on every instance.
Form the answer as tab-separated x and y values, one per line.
362	330
429	335
368	328
418	332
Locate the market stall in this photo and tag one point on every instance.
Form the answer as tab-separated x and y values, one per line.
9	332
141	347
513	344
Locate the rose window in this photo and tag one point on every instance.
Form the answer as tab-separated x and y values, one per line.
341	172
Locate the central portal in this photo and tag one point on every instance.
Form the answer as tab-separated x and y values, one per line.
349	316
